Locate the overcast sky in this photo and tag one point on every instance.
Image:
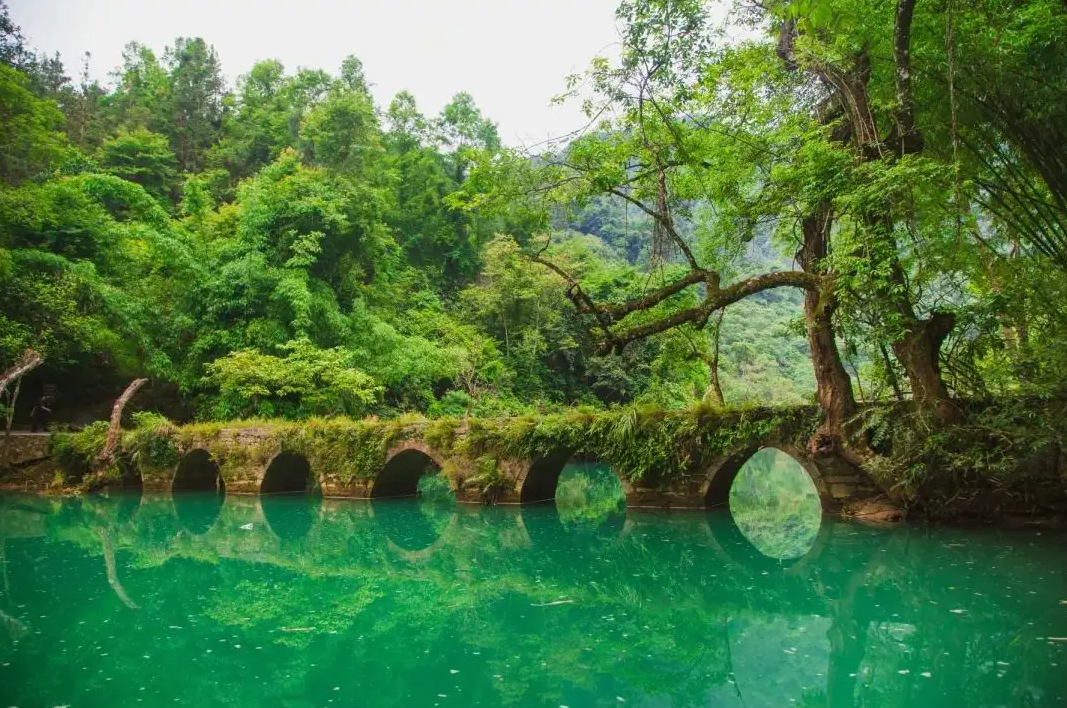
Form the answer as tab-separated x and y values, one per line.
511	55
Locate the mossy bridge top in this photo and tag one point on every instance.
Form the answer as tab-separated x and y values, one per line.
664	459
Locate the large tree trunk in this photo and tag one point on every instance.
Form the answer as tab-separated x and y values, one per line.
918	351
918	347
14	399
833	384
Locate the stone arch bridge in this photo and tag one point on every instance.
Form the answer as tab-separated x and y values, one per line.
336	462
382	459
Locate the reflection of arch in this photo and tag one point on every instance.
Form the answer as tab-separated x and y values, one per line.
400	475
287	473
423	554
720	477
544	527
732	544
198	471
409	527
290	517
197	513
127	503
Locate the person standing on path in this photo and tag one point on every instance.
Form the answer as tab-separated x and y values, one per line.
41	413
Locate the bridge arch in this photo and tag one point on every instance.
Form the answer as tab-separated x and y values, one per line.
405	465
773	521
129	477
288	473
542	477
541	480
720	476
198	471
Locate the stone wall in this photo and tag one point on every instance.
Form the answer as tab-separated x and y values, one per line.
24	448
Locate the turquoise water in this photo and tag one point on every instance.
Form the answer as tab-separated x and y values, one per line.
286	602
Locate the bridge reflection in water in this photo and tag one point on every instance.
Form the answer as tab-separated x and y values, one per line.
385	599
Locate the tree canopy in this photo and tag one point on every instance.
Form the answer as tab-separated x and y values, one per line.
832	201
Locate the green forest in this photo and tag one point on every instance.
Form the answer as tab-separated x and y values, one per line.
811	201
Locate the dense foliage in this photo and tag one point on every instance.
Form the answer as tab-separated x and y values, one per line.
285	247
831	201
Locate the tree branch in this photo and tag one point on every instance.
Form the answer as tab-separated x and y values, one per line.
716	299
664	221
29	361
107	455
909	139
619	311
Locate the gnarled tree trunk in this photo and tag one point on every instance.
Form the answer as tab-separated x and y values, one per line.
833	384
918	347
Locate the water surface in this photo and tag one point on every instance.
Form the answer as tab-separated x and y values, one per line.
290	602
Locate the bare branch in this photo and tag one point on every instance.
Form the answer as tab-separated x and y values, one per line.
29	361
107	455
716	299
663	221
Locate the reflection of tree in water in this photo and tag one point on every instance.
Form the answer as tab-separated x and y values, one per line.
106	514
588	493
656	615
775	505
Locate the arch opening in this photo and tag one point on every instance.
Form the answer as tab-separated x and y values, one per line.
412	473
584	490
197	471
288	473
774	504
541	481
406	475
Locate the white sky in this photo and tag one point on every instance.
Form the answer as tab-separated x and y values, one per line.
511	55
